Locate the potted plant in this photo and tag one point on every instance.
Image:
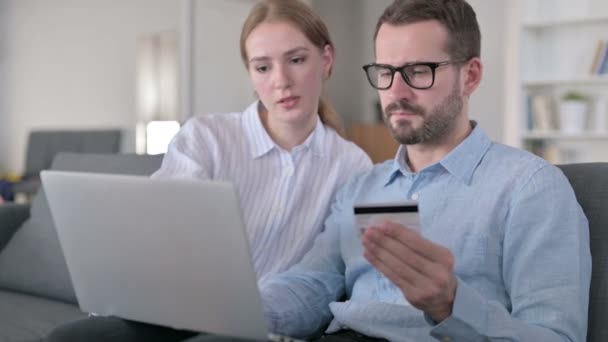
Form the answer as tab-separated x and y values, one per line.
573	108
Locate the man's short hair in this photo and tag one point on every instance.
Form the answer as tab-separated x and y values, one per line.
457	16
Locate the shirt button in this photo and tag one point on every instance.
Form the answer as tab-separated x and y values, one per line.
415	196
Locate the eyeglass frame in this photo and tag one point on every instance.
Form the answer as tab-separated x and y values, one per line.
401	69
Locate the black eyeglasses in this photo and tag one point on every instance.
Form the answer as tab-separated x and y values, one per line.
416	75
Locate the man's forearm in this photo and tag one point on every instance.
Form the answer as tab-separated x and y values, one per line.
476	318
299	306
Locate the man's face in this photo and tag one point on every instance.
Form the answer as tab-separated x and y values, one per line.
413	115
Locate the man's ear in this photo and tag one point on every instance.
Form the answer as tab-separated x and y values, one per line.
472	75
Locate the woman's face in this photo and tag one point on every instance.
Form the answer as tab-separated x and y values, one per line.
287	71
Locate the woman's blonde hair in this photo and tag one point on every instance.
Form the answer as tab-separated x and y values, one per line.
309	23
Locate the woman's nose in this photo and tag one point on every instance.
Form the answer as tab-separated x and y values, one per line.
282	78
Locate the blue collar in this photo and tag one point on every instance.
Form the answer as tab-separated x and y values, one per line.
461	162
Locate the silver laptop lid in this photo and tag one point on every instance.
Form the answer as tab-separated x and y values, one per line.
168	252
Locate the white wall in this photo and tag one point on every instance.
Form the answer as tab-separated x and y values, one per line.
342	18
71	64
221	83
5	139
488	102
371	12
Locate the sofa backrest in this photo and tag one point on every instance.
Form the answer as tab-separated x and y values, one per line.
43	145
590	183
32	261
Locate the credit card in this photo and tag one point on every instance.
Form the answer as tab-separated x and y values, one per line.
404	213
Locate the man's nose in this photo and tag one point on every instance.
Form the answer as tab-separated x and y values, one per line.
400	89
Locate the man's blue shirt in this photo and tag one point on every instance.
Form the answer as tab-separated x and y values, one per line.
519	238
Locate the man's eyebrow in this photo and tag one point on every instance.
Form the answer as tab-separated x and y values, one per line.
287	53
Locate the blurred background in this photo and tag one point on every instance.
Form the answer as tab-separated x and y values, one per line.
143	67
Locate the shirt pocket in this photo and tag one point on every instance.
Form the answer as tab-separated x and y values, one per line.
477	255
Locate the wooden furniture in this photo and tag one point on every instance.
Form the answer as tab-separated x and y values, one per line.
375	139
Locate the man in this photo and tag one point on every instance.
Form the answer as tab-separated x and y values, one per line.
503	252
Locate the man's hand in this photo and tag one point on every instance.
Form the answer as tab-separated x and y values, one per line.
423	270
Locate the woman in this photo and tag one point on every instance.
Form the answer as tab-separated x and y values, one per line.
284	152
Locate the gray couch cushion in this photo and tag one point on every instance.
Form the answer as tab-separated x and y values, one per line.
12	217
32	261
44	145
29	318
590	183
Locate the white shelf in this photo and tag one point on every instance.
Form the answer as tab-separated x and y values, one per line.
550	23
582	80
554	44
557	135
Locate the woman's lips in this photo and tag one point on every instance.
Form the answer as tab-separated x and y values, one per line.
288	103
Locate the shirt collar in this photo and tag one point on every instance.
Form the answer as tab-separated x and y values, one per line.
464	159
461	162
399	167
260	141
314	141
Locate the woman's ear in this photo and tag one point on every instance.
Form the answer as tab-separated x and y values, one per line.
328	60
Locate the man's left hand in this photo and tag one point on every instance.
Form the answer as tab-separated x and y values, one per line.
423	270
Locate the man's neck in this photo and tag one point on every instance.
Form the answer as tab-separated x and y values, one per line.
425	154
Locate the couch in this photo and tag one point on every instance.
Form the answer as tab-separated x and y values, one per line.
36	293
590	183
43	145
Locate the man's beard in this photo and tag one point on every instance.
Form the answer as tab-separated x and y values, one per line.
435	124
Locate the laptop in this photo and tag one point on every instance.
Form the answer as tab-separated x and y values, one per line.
171	252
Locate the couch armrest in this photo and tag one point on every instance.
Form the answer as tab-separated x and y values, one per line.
12	217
